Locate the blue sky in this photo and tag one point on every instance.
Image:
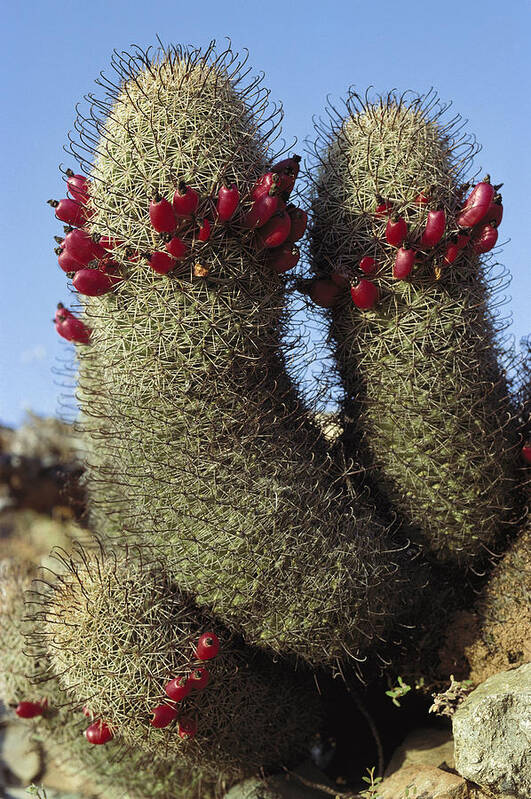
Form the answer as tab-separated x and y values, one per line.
474	53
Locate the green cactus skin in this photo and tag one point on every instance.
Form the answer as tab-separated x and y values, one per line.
200	444
426	402
116	631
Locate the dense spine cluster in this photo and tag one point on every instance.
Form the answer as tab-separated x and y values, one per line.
426	404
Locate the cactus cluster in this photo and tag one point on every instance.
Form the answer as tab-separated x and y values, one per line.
426	405
218	503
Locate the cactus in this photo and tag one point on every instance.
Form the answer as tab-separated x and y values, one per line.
426	405
116	631
200	443
26	677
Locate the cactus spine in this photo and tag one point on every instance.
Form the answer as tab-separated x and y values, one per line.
201	445
425	401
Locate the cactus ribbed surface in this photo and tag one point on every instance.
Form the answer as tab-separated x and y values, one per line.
425	401
116	631
200	443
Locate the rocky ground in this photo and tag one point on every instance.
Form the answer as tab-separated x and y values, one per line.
487	754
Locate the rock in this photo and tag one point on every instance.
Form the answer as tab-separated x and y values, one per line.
18	754
492	733
423	782
427	746
285	786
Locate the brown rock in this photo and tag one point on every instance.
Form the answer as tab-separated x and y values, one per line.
428	746
423	782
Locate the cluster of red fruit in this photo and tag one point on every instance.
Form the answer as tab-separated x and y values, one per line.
176	690
278	225
476	227
88	260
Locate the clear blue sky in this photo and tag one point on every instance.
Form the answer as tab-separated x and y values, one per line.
474	53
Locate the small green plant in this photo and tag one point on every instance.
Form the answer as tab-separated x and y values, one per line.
371	792
398	691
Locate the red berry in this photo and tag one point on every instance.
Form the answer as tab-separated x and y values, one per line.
365	294
78	186
70	327
227	203
177	248
368	265
404	261
485	238
207	646
396	231
324	293
462	239
204	230
67	262
477	204
161	262
178	688
262	210
264	185
494	212
452	251
161	215
163	715
299	222
526	453
434	230
185	200
284	257
98	733
276	231
287	170
187	727
199	679
87	712
80	245
94	282
28	710
383	207
69	211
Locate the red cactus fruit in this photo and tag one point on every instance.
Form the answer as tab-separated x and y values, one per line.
204	230
185	200
94	282
162	215
199	679
526	453
368	265
228	199
276	231
396	231
161	262
207	646
82	247
69	211
485	238
284	257
29	710
177	248
299	222
162	716
98	733
404	262
324	293
434	230
78	186
178	688
364	294
477	204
